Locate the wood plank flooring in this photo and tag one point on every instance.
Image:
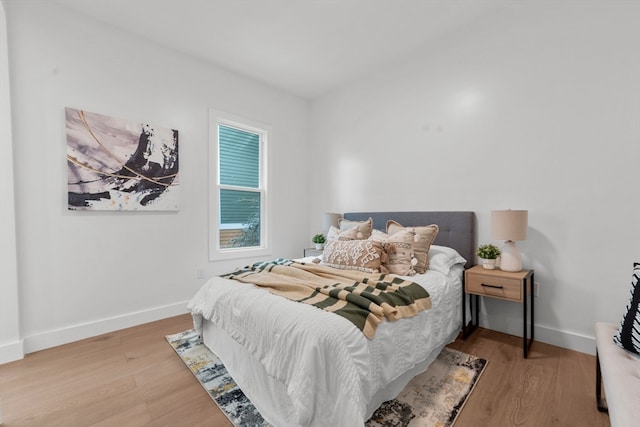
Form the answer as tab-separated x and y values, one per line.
552	387
133	378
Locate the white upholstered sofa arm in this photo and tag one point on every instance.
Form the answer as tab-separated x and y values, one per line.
620	372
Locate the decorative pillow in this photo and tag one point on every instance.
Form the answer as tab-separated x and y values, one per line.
424	235
378	236
443	258
361	255
364	227
335	234
397	257
628	336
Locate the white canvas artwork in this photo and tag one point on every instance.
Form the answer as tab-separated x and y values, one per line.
120	165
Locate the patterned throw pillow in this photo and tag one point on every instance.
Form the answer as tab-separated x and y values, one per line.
361	255
628	336
364	227
425	235
397	257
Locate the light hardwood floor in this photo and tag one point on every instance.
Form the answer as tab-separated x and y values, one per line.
133	378
552	387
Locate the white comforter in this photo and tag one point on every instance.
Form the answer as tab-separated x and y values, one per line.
329	369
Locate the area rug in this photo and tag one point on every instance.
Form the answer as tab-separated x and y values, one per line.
433	398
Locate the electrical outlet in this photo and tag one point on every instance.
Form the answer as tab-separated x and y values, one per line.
536	289
200	274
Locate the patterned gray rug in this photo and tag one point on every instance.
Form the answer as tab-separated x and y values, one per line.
433	398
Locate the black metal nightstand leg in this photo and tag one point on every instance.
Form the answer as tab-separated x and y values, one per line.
524	320
526	343
533	285
477	305
464	310
468	328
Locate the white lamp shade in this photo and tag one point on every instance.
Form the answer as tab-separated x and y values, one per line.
330	219
509	225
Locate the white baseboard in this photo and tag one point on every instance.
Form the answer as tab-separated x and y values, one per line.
91	329
545	334
16	350
11	351
565	339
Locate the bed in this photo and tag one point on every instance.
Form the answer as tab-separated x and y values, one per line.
301	366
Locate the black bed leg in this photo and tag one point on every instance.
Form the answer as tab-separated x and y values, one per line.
601	405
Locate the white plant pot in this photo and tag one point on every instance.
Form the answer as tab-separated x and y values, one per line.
319	246
489	264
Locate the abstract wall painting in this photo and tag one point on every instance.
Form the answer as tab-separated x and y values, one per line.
120	165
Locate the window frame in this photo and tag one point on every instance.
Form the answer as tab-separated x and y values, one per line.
216	253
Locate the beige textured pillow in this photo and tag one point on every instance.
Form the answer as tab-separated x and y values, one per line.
335	234
364	227
361	255
425	235
397	257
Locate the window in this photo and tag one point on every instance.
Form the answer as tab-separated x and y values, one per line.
238	218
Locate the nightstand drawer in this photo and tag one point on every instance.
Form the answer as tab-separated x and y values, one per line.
498	287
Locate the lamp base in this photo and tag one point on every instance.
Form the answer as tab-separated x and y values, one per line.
510	258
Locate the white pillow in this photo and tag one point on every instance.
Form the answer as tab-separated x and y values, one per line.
443	258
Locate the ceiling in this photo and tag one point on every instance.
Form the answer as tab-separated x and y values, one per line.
305	47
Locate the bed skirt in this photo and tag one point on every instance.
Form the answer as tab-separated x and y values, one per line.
269	395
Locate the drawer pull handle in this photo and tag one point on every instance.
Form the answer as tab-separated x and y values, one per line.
492	286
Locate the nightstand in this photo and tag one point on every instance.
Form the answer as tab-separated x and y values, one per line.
479	281
312	252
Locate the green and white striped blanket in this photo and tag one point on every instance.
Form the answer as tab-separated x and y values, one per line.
362	298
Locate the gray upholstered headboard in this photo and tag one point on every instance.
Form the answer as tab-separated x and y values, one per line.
457	229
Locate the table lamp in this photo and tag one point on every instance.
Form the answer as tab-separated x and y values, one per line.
509	225
330	219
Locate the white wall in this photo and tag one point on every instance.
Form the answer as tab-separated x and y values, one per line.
10	338
83	273
533	108
543	96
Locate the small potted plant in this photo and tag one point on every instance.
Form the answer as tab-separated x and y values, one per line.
319	240
489	253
